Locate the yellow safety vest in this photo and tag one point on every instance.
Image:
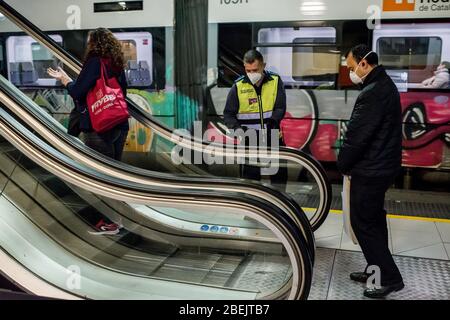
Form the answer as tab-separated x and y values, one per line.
253	107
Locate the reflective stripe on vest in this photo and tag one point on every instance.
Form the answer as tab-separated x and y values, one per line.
253	116
249	104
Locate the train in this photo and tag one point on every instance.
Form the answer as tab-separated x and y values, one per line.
308	53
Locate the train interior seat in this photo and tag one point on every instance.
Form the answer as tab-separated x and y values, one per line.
138	74
28	73
144	73
14	73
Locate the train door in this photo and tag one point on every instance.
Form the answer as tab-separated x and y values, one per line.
308	61
301	63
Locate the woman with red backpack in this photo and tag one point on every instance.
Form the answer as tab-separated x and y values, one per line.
101	113
104	53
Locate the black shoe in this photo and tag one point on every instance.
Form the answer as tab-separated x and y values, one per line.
359	277
378	293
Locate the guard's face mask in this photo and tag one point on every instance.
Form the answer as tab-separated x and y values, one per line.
255	71
254	77
354	76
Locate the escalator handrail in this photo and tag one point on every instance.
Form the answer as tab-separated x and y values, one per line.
195	144
114	188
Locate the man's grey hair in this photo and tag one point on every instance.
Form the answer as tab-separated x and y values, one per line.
253	55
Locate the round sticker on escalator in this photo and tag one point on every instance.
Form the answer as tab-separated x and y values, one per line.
224	230
215	229
205	228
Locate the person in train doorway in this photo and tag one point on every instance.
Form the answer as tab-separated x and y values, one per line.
371	155
101	46
257	101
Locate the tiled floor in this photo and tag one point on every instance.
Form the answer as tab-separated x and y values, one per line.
412	238
424	279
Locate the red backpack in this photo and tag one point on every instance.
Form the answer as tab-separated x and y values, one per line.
106	103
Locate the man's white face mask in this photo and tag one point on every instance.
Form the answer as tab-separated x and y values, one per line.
254	77
354	76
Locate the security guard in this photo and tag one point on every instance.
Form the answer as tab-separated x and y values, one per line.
257	101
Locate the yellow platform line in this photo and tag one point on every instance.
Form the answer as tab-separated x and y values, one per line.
394	216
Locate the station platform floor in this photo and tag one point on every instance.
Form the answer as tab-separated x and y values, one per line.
425	279
408	236
421	249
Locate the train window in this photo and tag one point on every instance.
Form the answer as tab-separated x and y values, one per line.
312	60
410	52
42	59
315	65
27	61
138	52
410	60
301	35
129	49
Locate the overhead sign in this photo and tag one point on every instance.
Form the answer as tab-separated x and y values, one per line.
222	11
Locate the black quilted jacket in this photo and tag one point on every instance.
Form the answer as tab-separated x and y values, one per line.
373	143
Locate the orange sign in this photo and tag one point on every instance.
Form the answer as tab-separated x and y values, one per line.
399	5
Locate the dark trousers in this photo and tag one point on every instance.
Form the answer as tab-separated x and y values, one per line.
110	143
278	180
368	219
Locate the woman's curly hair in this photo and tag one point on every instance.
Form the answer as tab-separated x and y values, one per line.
102	43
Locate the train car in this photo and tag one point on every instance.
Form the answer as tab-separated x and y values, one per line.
305	42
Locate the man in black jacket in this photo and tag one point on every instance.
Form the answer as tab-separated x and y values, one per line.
371	154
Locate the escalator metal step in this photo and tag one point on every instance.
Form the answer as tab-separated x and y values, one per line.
263	273
220	274
187	266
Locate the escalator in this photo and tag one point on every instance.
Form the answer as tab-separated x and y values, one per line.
47	249
307	182
16	103
192	235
